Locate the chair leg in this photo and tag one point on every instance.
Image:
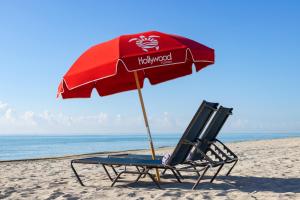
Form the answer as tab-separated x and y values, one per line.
137	168
153	179
195	168
213	178
140	175
116	173
176	176
231	168
77	176
144	169
116	179
110	178
179	174
199	179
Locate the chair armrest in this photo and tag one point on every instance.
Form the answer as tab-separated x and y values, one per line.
226	148
219	151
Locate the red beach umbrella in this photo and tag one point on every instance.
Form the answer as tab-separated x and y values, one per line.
123	63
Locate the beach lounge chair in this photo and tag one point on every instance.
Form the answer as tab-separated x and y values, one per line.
206	142
178	156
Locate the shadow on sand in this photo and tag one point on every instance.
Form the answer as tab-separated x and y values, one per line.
242	183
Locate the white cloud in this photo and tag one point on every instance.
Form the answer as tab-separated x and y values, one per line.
280	125
8	115
47	122
102	118
28	117
3	106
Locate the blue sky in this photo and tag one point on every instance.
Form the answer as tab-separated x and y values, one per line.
257	47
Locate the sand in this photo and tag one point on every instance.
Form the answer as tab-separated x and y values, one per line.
268	169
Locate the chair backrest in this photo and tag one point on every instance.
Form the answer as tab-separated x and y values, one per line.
210	133
192	132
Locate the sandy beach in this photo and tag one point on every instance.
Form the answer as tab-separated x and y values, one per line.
268	169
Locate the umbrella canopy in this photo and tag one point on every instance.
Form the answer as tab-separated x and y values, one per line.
109	66
123	63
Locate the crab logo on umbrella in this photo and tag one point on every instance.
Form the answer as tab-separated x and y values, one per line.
146	43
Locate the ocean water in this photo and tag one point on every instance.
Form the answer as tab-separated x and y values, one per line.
26	147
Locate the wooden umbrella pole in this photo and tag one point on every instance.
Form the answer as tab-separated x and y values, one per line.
146	120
